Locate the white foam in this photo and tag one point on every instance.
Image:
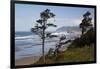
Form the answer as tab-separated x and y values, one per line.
25	37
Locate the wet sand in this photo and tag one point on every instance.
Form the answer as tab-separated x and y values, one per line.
26	61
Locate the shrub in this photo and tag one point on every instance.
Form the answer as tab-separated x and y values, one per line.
85	39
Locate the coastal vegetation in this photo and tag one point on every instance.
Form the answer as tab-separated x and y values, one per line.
42	25
81	49
53	34
83	54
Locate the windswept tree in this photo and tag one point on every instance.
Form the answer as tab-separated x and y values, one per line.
42	25
86	22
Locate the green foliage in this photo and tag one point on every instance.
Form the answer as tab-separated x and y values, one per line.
39	21
42	25
48	34
46	14
50	24
88	37
86	22
33	30
79	47
83	54
85	39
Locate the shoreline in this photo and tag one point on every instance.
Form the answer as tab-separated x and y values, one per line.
27	60
33	59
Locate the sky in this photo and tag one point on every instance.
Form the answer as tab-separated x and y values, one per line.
26	16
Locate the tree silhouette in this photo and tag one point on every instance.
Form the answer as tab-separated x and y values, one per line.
86	22
42	25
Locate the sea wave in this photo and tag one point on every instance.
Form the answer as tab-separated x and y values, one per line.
24	37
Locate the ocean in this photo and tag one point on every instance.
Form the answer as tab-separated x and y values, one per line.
29	44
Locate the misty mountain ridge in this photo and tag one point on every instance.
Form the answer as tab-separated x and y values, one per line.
68	29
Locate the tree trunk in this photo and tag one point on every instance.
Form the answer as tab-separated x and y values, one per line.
82	31
43	43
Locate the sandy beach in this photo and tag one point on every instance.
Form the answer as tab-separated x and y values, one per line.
27	60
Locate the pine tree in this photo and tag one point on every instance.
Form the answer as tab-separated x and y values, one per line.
42	25
86	22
